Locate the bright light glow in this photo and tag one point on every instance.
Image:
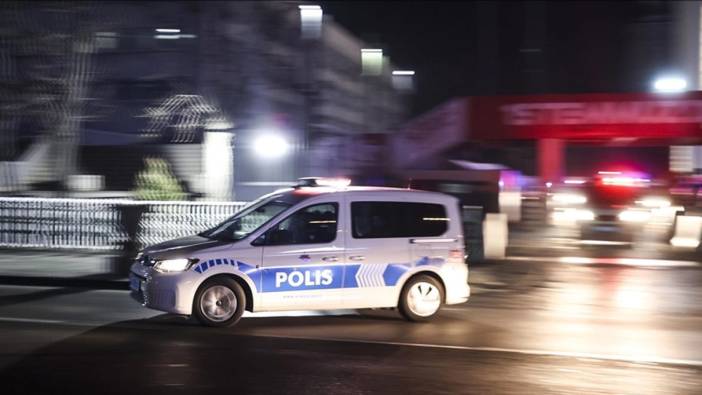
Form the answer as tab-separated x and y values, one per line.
603	243
574	181
634	215
403	72
371	61
654	202
569	198
609	173
270	146
333	182
311	21
684	242
572	215
172	265
549	184
168	30
625	181
670	84
575	260
173	36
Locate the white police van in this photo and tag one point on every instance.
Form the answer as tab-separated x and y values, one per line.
319	245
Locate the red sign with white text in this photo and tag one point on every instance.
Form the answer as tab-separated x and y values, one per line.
587	117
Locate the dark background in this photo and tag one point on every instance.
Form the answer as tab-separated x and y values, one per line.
486	48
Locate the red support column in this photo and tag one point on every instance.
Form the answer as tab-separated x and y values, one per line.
549	154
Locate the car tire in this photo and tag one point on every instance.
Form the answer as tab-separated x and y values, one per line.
219	302
421	298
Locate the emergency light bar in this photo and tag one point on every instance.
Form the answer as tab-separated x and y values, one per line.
323	182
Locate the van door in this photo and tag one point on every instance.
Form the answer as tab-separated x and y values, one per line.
303	259
377	253
387	239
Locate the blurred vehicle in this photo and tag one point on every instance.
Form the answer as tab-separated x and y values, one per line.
613	206
319	245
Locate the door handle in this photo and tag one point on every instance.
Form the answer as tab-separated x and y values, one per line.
304	257
357	258
330	259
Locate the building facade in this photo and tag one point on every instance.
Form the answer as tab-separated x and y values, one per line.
239	97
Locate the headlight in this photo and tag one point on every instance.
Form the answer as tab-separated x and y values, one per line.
654	202
569	198
174	265
634	216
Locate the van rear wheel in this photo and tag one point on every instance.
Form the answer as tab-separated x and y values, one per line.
421	298
219	302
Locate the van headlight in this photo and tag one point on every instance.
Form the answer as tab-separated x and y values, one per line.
174	265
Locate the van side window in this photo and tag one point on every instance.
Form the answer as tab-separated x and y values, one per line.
310	225
372	220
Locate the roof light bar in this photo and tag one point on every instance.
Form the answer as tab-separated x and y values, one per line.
323	182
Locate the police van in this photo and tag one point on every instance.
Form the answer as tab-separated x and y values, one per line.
319	245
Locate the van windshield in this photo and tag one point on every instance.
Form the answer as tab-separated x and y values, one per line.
247	220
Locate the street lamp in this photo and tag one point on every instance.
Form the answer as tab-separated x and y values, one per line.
270	146
670	84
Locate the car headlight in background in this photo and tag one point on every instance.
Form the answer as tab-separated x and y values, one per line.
174	265
634	216
569	198
654	202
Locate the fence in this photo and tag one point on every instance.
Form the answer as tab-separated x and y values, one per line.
103	224
100	224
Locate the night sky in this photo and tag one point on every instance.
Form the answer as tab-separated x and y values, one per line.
486	48
432	38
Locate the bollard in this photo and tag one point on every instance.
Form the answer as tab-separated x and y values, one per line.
688	230
495	236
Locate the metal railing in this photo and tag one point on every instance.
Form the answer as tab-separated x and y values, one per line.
169	220
100	224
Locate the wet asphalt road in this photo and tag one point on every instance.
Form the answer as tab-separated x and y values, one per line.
530	327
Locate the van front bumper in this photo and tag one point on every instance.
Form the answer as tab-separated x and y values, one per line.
158	293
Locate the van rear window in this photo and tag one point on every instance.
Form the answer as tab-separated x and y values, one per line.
373	220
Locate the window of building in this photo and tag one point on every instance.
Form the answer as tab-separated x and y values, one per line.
310	225
372	220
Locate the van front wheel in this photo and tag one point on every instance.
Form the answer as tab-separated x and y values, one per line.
421	298
219	302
